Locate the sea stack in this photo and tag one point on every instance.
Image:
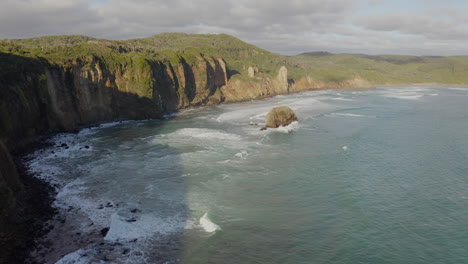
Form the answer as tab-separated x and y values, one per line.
279	116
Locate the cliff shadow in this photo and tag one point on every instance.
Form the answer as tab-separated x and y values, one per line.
231	73
189	80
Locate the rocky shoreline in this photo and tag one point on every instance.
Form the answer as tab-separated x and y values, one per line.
35	209
47	232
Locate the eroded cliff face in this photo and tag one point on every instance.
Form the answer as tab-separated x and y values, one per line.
241	90
40	97
89	90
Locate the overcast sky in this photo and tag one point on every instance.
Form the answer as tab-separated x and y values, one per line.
418	27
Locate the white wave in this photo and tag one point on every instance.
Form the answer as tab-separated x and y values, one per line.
404	96
242	155
280	96
408	93
202	134
113	124
458	89
294	126
336	98
208	225
347	114
125	227
260	116
45	172
77	257
95	211
345	148
244	115
167	116
113	252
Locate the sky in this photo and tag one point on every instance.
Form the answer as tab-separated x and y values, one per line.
288	27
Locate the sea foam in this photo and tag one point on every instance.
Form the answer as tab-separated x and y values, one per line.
347	114
124	228
294	126
77	257
204	133
208	225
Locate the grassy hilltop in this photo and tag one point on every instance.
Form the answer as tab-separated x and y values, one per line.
176	47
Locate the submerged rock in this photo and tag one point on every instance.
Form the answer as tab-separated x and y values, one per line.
279	116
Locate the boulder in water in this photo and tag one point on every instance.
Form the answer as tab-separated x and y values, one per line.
279	116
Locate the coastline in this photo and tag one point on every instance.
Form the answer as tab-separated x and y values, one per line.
40	218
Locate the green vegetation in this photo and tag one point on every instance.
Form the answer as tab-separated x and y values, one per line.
386	69
192	48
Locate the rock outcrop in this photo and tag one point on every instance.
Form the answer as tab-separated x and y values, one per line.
279	116
283	77
252	71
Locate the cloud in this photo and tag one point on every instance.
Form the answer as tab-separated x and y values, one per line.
287	27
427	25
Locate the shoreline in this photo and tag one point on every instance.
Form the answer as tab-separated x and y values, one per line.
67	234
45	216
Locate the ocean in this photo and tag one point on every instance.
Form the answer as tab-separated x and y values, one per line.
365	176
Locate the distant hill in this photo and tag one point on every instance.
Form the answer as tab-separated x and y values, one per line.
386	69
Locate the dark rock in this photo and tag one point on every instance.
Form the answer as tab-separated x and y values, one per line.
104	231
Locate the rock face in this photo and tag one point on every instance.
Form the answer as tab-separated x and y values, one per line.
9	186
280	116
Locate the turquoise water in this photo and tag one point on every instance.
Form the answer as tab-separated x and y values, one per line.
374	176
